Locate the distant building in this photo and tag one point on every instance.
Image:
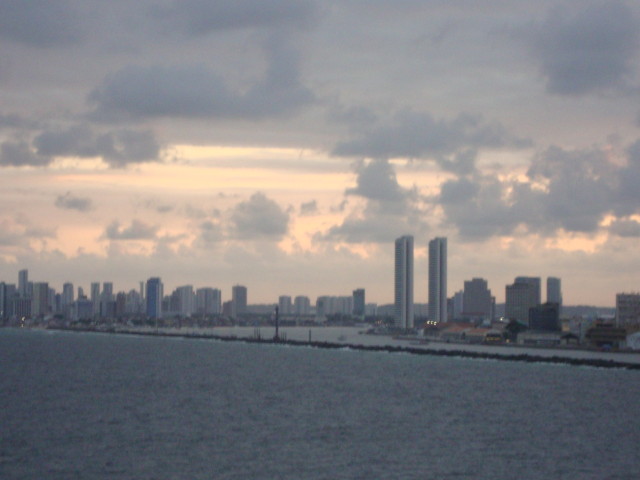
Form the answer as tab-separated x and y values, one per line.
23	283
186	300
522	295
358	302
302	305
457	306
285	307
208	301
403	282
238	300
95	298
40	299
628	309
154	296
545	318
534	282
554	290
438	279
333	305
477	300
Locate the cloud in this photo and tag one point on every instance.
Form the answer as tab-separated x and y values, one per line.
309	208
200	17
259	217
625	228
19	231
39	23
116	148
376	180
586	51
193	91
71	202
20	154
210	234
138	230
418	135
389	207
570	190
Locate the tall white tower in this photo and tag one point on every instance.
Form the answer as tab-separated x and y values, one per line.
438	279
403	282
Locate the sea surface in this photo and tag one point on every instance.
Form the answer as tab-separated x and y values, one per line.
104	406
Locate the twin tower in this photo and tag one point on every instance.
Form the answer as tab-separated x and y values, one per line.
403	281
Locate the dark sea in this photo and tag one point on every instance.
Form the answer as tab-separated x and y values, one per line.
100	406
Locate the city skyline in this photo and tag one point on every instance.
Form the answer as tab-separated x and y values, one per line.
286	144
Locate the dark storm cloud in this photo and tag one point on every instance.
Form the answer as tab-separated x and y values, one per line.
588	50
20	154
39	23
117	148
138	230
419	135
259	217
69	201
200	17
197	91
570	190
625	228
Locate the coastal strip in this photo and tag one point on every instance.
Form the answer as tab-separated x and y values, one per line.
528	358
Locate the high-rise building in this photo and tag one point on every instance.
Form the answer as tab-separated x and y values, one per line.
185	300
154	297
208	301
522	295
95	298
554	290
302	305
285	307
477	300
23	283
438	279
535	284
358	302
238	300
628	309
40	299
403	282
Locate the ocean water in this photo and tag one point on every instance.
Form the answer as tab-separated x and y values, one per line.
92	406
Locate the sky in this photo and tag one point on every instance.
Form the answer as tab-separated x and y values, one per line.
285	144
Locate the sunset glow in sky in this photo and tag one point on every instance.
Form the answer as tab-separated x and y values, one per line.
285	144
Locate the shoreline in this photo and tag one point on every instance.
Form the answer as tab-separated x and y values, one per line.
332	345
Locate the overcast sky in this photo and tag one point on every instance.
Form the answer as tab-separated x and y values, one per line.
285	144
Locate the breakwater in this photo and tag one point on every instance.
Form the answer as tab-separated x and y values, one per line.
460	353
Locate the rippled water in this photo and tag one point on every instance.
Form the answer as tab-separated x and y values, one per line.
117	407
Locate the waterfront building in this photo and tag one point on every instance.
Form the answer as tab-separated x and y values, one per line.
208	301
545	318
40	299
359	302
554	290
628	309
238	300
23	283
95	298
285	306
522	295
438	280
457	306
535	284
477	300
186	300
403	282
302	305
154	296
333	305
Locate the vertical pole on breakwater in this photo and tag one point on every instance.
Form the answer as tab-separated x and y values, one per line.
277	337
